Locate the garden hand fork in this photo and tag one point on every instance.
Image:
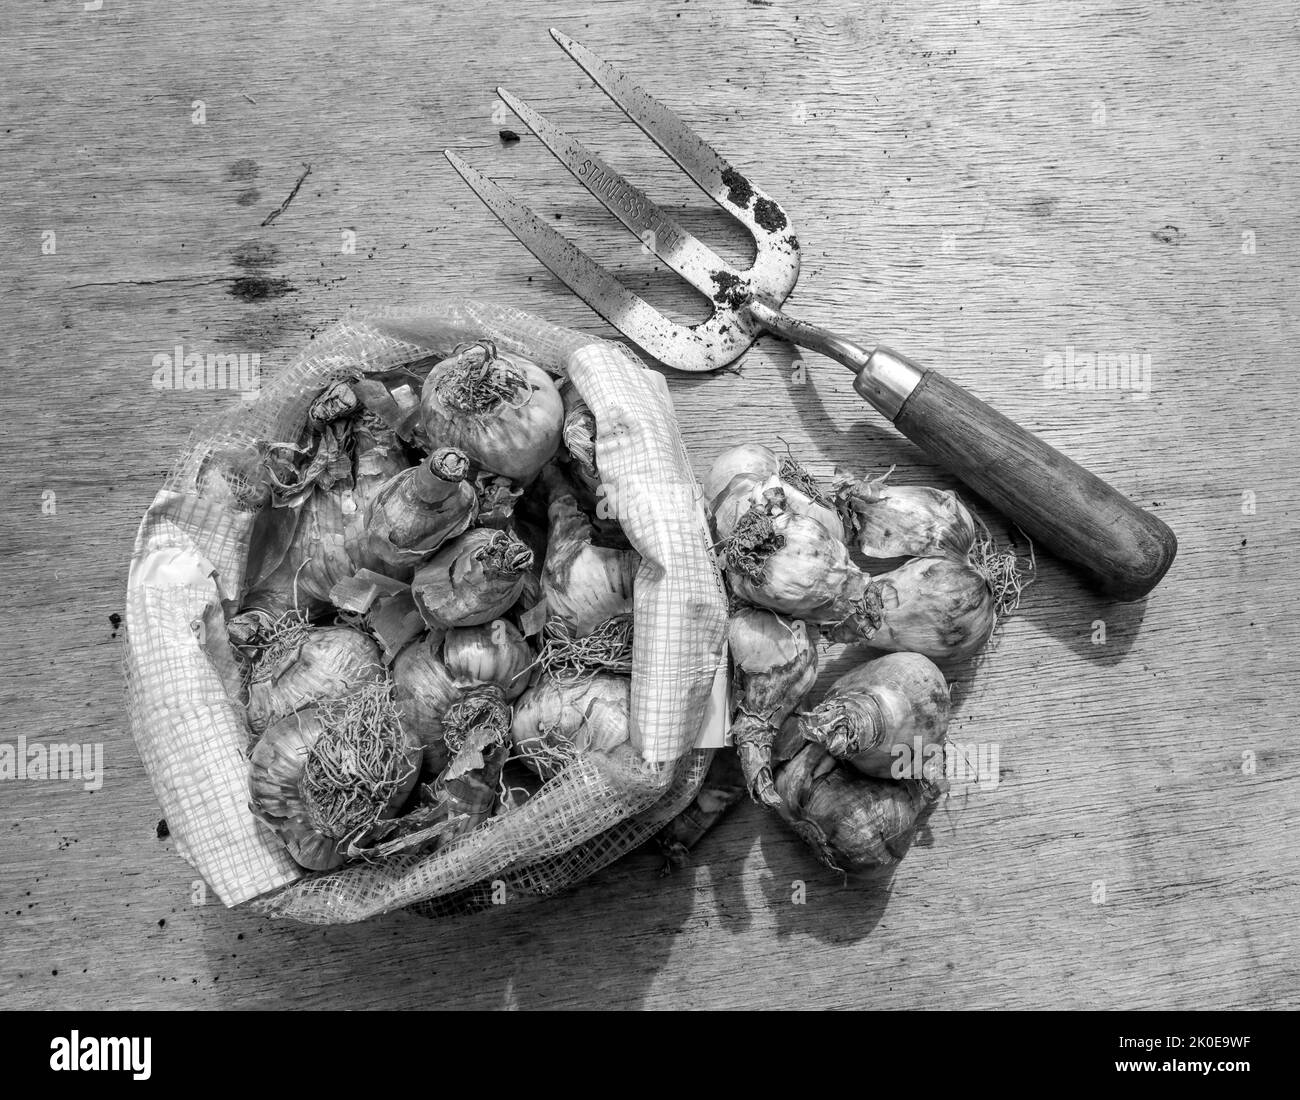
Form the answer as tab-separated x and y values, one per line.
1119	546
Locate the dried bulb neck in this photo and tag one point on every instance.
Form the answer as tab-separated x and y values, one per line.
438	475
847	725
442	468
479	381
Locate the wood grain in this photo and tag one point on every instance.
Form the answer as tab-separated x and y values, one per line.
981	185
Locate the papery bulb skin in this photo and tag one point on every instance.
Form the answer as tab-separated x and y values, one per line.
334	402
473	579
496	497
250	631
491	653
939	607
904	521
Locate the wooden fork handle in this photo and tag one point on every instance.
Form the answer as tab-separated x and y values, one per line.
1122	548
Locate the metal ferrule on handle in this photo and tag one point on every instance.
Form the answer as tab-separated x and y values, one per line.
887	381
883	376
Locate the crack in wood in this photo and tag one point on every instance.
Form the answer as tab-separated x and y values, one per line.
285	205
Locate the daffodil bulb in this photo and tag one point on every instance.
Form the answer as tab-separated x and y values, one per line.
477	730
745	460
491	653
424	690
302	664
584	585
775	664
853	822
791	563
555	721
378	457
316	559
939	607
877	715
473	579
504	412
419	509
743	475
325	777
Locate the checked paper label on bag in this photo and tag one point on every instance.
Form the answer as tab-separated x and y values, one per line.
716	731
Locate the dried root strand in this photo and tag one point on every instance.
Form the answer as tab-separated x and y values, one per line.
507	792
277	639
480	380
359	762
357	620
570	660
1002	571
549	754
794	473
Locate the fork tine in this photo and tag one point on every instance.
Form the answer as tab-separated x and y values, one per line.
696	157
698	348
699	160
693	260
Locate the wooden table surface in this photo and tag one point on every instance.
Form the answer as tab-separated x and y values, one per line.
982	184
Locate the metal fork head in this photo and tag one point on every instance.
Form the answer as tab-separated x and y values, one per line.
730	330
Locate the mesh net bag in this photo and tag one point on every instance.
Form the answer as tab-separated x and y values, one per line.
188	573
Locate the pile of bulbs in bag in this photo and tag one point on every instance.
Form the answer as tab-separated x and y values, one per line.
439	618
